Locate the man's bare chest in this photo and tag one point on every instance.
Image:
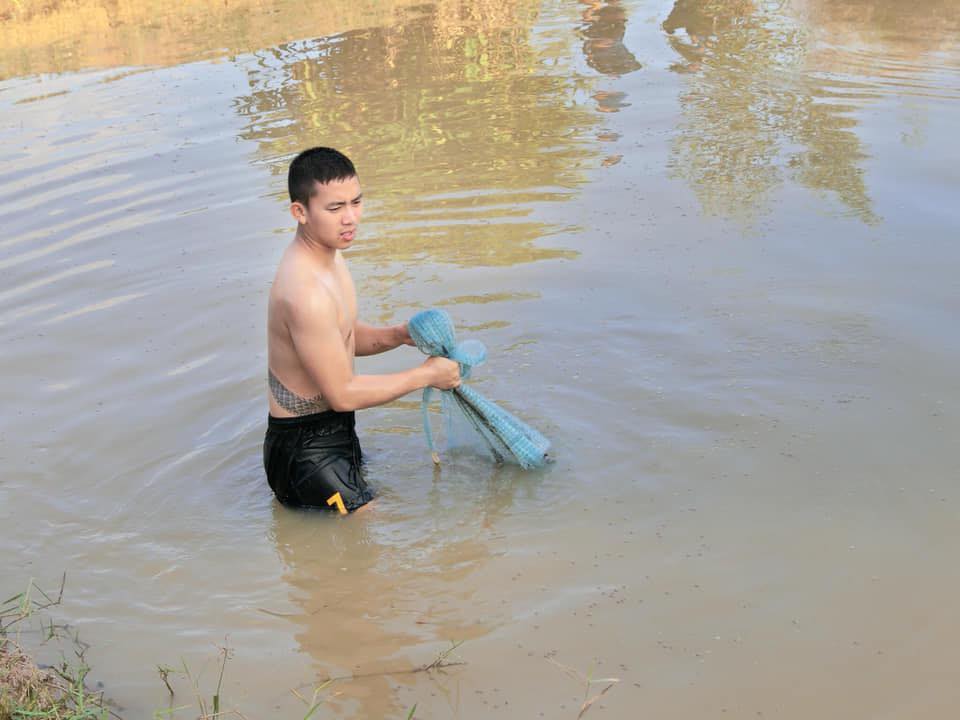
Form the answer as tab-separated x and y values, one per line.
341	288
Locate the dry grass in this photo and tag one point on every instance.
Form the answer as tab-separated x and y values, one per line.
22	683
26	689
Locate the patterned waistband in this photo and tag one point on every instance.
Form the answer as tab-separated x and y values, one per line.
330	419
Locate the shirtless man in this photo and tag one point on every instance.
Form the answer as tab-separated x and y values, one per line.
311	453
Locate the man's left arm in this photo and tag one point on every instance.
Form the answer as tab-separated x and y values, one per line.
372	340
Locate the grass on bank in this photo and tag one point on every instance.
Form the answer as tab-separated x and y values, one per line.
28	691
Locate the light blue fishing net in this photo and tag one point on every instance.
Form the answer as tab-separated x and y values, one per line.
507	437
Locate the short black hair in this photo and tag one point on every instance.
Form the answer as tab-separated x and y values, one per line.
318	164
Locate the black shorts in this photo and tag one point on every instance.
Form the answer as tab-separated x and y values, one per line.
314	461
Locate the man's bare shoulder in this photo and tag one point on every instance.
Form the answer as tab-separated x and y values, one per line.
294	277
299	294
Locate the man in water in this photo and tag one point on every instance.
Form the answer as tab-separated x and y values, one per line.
311	453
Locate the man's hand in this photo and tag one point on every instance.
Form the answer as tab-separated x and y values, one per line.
443	374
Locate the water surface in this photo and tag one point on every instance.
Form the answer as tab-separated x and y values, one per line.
710	245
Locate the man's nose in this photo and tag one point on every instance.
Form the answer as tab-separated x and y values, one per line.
349	215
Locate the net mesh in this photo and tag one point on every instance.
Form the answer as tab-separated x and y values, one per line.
508	438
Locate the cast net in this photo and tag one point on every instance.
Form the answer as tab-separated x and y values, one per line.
508	438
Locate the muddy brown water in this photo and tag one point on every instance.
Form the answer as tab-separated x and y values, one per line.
710	245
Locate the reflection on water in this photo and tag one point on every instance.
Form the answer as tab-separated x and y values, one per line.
767	98
38	36
449	119
751	116
375	588
603	28
341	626
604	23
891	29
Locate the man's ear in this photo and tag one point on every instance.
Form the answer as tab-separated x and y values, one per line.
299	212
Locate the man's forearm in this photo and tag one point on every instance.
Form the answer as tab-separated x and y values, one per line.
373	340
364	391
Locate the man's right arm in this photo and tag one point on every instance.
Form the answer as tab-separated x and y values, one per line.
320	349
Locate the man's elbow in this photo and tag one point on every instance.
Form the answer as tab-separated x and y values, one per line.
341	403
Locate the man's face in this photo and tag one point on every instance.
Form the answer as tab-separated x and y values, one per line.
332	216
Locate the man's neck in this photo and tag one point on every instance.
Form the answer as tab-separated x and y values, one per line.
321	254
